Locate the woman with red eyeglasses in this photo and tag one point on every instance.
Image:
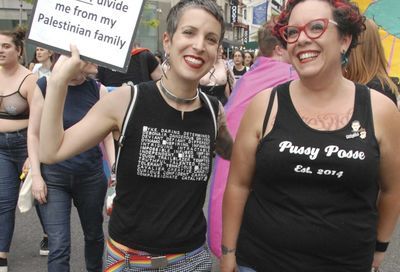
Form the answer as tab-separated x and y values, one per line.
314	178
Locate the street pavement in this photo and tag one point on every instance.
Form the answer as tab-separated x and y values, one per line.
24	255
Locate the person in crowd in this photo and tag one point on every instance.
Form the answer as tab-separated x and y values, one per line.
33	62
16	91
157	222
143	66
45	60
248	59
219	80
269	70
238	68
367	63
80	178
314	177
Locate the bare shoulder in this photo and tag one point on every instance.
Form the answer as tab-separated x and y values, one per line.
30	80
259	103
115	104
255	113
385	114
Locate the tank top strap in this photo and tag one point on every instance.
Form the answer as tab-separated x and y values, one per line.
22	82
363	109
286	110
362	103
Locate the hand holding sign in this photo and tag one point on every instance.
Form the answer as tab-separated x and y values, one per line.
101	28
69	68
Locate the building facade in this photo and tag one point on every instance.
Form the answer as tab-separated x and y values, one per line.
13	13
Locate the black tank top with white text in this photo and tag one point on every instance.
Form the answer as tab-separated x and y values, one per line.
162	176
312	206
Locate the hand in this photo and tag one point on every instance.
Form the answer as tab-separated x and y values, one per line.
69	67
228	263
26	166
39	189
378	258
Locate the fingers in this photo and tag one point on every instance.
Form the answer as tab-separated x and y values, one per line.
40	194
40	197
74	50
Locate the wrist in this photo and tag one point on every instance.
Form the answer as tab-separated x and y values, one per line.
225	250
381	246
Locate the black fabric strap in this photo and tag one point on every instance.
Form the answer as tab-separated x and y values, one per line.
269	109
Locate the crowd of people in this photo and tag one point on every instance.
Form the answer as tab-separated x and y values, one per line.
307	136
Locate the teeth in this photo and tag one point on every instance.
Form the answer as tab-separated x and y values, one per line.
307	55
193	60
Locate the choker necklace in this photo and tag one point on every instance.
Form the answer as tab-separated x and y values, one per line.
178	100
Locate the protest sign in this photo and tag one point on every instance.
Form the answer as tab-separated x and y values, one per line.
103	30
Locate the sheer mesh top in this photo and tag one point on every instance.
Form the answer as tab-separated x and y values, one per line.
14	106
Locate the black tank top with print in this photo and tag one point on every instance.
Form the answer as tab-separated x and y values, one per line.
312	204
162	176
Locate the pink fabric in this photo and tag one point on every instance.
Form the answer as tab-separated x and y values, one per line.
263	74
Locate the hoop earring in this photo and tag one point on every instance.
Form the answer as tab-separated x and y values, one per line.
344	58
165	64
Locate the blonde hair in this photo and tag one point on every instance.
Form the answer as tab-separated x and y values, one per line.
367	60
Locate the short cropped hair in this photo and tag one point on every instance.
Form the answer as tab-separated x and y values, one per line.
176	11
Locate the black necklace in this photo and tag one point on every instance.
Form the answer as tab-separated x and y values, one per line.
178	100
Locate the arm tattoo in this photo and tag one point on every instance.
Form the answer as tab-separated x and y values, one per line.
224	142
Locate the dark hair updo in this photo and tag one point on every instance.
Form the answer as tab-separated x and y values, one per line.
17	36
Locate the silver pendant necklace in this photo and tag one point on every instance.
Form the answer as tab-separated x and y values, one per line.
178	100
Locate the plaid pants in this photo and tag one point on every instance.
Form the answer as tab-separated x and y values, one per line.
119	261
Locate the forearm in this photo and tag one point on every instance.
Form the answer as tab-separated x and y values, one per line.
235	198
51	126
33	153
388	213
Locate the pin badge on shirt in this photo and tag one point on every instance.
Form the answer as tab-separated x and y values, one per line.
357	131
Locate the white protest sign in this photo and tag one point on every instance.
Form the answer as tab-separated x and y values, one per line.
103	30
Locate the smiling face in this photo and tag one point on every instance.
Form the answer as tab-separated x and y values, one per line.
315	56
9	53
193	47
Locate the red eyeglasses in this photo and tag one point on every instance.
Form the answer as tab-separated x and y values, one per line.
313	29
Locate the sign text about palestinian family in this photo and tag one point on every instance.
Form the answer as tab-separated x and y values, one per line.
99	28
86	15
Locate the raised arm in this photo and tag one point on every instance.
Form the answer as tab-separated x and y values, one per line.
387	128
108	142
240	176
104	117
